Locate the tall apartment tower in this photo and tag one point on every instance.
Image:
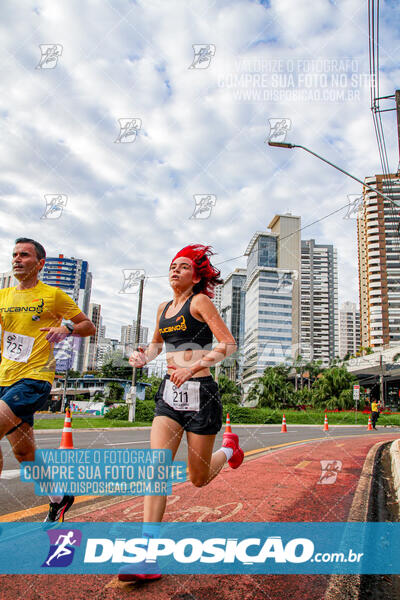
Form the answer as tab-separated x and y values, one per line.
233	300
217	297
319	302
89	363
287	227
128	337
272	297
378	262
71	275
7	279
349	329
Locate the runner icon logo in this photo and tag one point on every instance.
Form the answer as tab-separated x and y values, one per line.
62	547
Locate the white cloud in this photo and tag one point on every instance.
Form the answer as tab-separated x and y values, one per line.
129	204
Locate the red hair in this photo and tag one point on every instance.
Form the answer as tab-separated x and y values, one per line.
199	257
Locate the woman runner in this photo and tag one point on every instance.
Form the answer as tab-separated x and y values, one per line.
186	325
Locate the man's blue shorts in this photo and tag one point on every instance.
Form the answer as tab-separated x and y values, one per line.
25	397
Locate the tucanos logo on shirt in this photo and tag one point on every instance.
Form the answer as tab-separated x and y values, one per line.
181	327
38	309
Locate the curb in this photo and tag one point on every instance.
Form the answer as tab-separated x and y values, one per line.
395	456
347	587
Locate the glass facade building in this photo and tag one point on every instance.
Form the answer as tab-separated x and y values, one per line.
233	313
73	276
268	327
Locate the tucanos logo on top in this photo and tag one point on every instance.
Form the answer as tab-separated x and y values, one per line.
62	547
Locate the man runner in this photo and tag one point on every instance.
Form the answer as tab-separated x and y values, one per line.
30	319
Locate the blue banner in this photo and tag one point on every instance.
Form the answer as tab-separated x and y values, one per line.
192	548
102	472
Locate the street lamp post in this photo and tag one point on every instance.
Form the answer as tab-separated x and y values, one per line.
287	145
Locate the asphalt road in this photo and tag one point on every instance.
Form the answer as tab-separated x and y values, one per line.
16	495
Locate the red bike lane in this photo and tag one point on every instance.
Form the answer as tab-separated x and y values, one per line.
313	481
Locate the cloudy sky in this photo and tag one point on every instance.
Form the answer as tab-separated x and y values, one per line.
199	82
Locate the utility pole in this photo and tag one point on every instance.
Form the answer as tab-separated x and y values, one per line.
64	394
382	382
132	395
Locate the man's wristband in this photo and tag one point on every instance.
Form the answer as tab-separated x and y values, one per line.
70	328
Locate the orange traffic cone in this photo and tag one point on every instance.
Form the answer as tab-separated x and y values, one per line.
283	428
369	424
228	424
326	428
66	438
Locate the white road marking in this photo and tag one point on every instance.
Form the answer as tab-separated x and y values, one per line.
125	443
10	474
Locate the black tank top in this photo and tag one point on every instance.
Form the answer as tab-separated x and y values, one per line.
183	331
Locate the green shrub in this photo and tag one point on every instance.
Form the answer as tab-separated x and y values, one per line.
144	410
244	414
229	398
119	412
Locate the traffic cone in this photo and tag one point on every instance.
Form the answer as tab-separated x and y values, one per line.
326	428
283	428
228	424
369	424
66	438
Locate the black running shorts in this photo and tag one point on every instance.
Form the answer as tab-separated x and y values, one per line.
206	421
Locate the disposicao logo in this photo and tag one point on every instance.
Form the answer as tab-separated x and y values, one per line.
62	547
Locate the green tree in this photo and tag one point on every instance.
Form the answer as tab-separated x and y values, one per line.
327	390
229	388
116	366
272	389
155	384
116	391
313	368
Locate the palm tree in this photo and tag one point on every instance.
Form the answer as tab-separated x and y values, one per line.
299	367
271	389
329	388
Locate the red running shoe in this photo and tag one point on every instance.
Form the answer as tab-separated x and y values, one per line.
140	572
231	440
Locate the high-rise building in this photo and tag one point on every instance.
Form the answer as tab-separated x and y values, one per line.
71	275
319	302
379	265
89	363
287	227
349	329
272	299
217	297
7	279
233	300
128	337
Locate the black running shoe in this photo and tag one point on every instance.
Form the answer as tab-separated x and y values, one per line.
57	510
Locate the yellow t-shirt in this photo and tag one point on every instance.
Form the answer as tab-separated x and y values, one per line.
25	352
374	407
